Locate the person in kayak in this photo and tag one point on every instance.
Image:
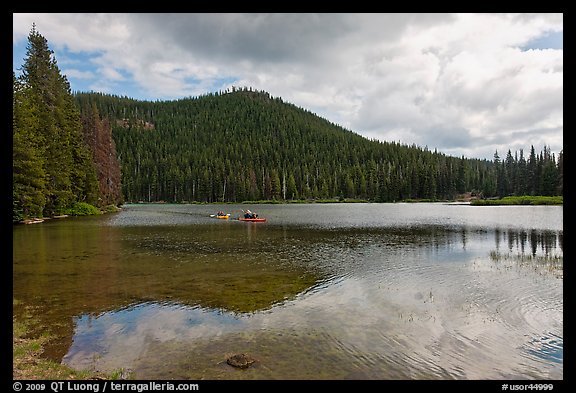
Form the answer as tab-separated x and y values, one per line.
249	214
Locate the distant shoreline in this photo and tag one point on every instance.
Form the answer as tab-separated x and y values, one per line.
511	200
525	200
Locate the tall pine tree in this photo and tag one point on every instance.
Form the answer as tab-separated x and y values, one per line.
57	169
29	176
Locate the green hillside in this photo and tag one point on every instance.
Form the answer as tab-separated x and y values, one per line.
247	145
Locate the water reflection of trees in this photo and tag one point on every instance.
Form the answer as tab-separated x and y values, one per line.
538	249
533	242
536	242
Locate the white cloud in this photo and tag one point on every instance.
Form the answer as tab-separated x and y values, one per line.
77	32
110	73
461	83
73	73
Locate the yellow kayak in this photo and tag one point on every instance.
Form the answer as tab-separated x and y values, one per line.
224	217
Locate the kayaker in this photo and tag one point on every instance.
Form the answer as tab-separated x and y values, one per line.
249	214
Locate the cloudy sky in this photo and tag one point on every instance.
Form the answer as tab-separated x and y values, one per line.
464	84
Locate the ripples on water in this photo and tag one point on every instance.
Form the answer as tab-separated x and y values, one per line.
318	292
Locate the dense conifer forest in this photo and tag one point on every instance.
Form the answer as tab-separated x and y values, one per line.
246	145
229	146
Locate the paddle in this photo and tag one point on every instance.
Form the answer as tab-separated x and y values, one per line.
252	214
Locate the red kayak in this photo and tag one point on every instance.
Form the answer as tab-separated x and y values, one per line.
252	219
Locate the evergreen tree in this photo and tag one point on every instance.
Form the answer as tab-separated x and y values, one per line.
560	177
532	172
57	170
291	189
29	176
274	185
522	175
549	182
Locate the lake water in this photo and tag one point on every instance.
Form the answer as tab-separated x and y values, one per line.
319	291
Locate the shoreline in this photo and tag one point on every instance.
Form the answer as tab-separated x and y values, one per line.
38	220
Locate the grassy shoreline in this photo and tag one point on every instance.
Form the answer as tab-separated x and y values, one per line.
27	360
520	200
79	209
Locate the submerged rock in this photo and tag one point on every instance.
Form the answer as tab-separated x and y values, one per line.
240	360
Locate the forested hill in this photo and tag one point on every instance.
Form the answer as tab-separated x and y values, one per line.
246	145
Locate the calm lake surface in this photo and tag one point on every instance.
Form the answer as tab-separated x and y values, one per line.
319	291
